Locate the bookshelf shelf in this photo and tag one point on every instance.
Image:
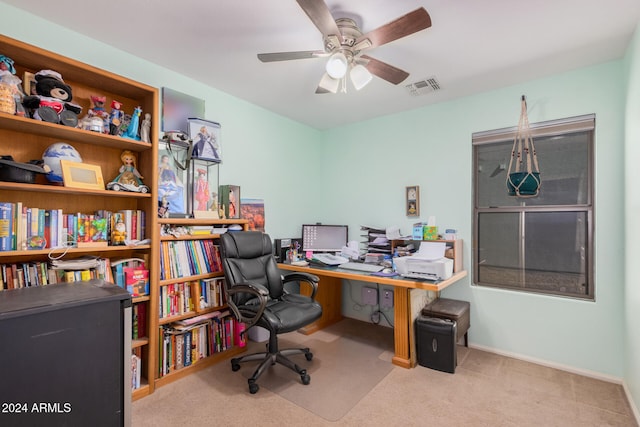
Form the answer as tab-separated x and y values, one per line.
139	342
26	139
59	251
190	278
140	392
143	298
190	237
199	365
171	319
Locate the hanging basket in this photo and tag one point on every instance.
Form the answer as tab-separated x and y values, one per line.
523	176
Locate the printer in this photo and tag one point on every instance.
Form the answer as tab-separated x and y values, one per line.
428	263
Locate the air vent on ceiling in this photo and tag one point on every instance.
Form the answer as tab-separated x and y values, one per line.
424	86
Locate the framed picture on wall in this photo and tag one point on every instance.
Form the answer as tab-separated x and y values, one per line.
413	200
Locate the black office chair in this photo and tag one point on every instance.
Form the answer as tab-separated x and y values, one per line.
257	296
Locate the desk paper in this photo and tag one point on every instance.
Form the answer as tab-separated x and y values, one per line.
431	250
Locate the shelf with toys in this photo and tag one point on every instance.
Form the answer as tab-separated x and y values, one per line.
56	98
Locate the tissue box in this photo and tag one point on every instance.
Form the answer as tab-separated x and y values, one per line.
430	232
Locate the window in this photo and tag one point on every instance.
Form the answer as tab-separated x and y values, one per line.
542	244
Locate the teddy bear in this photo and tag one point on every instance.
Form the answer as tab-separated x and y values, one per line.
53	100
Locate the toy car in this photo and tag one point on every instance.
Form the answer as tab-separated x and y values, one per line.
118	186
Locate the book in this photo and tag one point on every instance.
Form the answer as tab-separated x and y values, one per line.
6	226
136	281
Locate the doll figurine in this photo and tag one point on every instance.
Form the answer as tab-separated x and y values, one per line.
132	129
119	234
97	111
115	118
11	93
145	128
128	172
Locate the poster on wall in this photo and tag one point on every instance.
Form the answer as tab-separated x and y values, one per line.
253	210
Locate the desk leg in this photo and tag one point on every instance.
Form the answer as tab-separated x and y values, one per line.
329	296
401	327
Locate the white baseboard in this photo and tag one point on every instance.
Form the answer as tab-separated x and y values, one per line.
634	408
571	369
566	368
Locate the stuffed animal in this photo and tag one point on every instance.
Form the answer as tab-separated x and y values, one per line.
53	100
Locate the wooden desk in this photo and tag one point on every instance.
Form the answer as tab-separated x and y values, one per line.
330	297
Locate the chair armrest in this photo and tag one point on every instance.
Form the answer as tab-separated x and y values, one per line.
298	276
250	318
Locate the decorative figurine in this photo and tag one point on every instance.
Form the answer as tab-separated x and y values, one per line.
53	100
115	117
132	129
145	128
11	93
129	178
97	118
119	234
202	190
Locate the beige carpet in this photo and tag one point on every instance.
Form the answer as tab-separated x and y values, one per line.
486	390
349	359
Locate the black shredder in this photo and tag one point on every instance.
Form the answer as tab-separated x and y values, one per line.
436	343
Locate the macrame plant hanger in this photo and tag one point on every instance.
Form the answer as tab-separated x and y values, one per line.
523	176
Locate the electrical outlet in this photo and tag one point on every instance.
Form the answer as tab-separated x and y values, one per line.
387	298
369	296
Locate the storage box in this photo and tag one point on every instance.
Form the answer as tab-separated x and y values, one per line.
430	232
436	343
451	309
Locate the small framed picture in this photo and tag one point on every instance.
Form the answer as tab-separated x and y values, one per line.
29	83
81	175
172	178
413	200
205	135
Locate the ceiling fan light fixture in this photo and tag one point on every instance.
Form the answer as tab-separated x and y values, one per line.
360	76
337	65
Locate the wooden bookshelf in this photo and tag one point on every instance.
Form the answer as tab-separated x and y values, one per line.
26	139
194	282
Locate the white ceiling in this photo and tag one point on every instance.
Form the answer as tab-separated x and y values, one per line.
472	46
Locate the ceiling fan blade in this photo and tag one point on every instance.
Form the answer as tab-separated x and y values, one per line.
406	25
286	56
319	13
328	84
383	70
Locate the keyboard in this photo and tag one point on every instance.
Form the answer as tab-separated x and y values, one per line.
329	259
359	266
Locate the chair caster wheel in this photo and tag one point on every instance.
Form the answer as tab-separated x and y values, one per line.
306	379
235	366
308	356
253	388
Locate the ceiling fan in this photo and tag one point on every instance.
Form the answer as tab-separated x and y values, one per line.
344	44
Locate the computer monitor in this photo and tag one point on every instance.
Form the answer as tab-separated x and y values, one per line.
324	238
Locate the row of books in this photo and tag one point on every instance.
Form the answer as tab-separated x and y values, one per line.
182	258
183	344
212	292
24	228
139	321
175	299
129	273
42	273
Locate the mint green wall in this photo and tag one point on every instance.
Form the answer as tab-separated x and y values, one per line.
431	147
632	227
261	150
371	162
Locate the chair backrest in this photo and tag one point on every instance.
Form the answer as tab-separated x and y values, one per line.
247	257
